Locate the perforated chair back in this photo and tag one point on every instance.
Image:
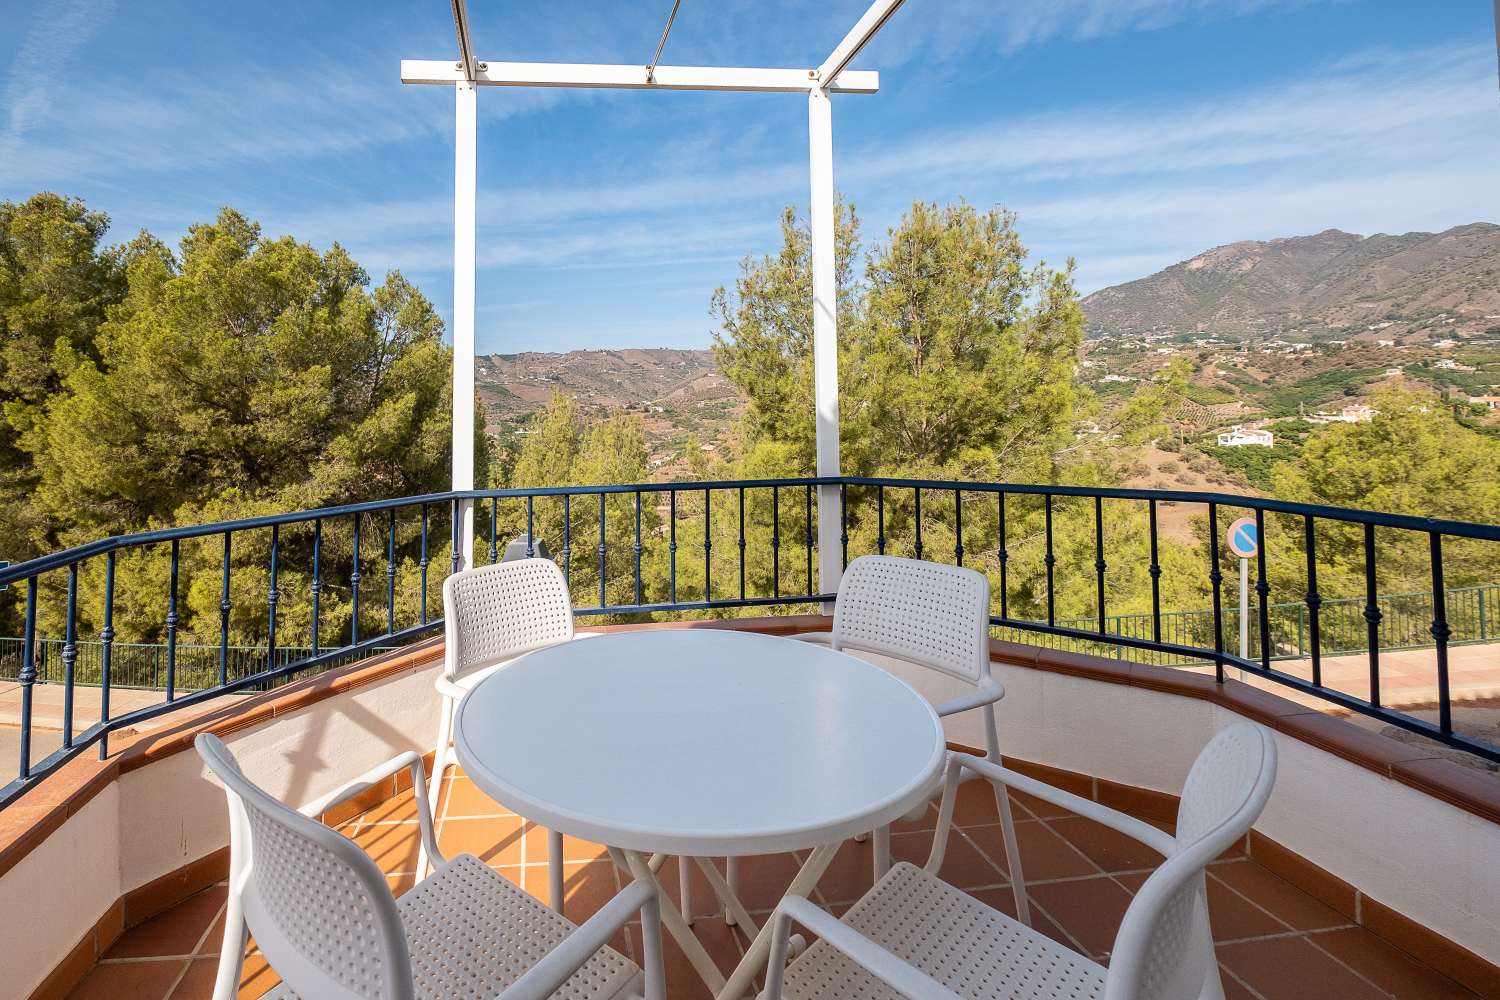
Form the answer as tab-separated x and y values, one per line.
1164	948
924	612
495	613
319	908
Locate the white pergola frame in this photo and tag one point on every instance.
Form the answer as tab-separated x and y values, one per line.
467	74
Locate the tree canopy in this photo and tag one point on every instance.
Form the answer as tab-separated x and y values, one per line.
238	375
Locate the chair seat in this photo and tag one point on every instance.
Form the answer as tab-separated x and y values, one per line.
472	934
969	947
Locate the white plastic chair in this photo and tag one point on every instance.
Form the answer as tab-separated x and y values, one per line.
915	936
326	921
933	616
491	615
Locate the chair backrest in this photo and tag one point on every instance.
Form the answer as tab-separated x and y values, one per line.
1164	948
494	613
924	612
319	908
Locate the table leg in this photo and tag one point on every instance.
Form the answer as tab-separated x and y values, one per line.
740	980
734	910
732	877
639	867
685	889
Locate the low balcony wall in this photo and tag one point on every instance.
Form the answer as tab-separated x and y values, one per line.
1392	835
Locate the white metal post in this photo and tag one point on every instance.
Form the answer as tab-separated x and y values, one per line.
825	337
1244	612
464	185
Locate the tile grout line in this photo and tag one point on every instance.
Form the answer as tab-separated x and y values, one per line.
1355	972
1225	970
1247	899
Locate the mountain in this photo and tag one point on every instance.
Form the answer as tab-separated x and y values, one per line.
677	391
1330	282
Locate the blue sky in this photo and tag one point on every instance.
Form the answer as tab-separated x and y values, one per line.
1128	134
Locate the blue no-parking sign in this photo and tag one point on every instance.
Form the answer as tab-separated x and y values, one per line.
1243	538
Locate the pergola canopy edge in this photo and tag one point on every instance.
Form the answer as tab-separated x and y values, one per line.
468	74
632	77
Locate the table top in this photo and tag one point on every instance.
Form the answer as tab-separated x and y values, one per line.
700	742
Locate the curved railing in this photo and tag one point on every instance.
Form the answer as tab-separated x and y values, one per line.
272	597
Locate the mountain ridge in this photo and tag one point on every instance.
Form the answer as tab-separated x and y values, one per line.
1324	283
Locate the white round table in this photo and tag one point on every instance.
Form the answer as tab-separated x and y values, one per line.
699	743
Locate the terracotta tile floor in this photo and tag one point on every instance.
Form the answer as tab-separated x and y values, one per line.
1275	942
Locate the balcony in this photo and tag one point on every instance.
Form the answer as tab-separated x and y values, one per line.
1368	874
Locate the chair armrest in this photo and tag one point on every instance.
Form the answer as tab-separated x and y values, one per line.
448	689
409	759
984	694
821	638
321	804
895	972
545	977
1160	842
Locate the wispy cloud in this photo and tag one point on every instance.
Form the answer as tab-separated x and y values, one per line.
58	29
1007	27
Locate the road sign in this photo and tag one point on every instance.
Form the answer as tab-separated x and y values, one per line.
1243	538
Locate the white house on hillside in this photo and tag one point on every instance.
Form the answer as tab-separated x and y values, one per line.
1239	437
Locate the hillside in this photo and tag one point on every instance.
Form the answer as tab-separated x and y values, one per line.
676	391
1328	283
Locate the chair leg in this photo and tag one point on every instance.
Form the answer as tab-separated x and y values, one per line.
685	888
882	852
1007	821
732	879
555	867
435	781
1013	856
653	966
232	953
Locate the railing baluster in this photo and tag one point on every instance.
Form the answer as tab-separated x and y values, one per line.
454	520
272	598
958	528
880	518
637	547
317	582
843	525
742	543
531	530
422	564
1004	555
1440	633
1099	564
1372	615
603	600
354	578
1263	591
70	653
1313	599
917	519
106	650
775	541
1215	579
1051	562
567	549
171	623
708	546
672	546
224	615
1155	572
390	572
495	529
807	540
27	679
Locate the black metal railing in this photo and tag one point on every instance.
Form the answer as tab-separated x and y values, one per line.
244	605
